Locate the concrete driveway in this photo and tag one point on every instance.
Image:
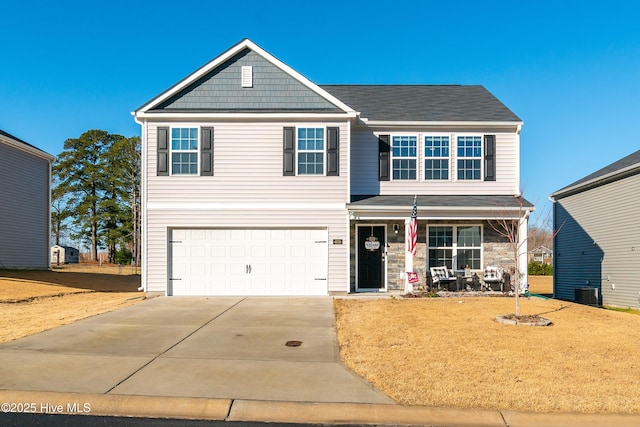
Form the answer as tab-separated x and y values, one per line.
232	348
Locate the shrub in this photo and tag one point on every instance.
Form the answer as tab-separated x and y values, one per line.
540	269
123	256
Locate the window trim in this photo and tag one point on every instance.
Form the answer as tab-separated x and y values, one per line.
196	152
298	151
454	244
416	157
480	158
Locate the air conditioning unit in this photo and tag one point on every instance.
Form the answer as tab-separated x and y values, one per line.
587	296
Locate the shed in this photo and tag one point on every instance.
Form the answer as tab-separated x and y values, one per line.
64	255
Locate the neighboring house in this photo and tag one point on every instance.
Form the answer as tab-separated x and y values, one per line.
257	181
597	244
25	176
64	255
541	254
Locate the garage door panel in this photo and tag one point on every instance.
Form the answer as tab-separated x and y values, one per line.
249	262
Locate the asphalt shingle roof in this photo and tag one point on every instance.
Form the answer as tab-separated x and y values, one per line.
424	202
632	159
423	102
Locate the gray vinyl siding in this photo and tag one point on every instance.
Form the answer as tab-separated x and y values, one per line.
364	167
24	209
273	89
248	190
598	242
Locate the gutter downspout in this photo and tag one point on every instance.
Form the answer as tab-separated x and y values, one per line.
143	204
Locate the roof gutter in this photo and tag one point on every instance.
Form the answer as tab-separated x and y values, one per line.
27	148
599	180
257	115
447	123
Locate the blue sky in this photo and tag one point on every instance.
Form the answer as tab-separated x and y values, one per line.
569	69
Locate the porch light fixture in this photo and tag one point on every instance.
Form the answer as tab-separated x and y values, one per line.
396	228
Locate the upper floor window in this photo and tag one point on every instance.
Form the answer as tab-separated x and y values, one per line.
469	157
311	151
184	151
436	153
404	157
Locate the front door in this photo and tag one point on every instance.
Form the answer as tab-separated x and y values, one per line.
371	256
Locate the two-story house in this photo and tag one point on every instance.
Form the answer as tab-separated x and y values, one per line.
257	181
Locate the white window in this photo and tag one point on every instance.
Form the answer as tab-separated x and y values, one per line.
436	158
311	151
184	151
455	246
469	158
404	157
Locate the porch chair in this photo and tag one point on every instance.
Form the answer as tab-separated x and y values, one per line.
493	278
442	275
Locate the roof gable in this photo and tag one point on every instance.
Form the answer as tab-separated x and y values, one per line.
216	87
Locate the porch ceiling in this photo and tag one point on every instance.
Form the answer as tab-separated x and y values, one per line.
439	207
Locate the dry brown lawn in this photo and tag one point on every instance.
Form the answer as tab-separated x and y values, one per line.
451	352
33	301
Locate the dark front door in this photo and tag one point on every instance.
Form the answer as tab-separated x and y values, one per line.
371	244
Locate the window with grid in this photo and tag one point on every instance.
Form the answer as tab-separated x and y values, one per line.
455	246
405	154
468	247
311	151
469	157
436	157
184	151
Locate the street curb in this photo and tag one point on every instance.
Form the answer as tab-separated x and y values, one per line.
115	405
196	408
358	413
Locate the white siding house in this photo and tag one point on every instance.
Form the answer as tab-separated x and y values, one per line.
25	189
597	244
257	181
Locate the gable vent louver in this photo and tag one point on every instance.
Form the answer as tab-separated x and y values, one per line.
247	76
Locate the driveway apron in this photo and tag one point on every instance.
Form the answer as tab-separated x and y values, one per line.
193	347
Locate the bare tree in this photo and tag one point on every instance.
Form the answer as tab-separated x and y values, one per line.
510	228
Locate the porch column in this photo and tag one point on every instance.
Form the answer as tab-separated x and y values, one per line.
408	258
522	250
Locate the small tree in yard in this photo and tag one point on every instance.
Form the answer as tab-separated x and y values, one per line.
509	228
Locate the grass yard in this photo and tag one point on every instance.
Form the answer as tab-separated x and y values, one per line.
450	352
33	301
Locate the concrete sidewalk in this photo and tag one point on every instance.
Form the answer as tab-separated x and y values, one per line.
222	359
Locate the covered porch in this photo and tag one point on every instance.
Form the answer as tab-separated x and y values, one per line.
465	234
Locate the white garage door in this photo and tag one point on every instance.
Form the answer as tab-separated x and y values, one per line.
248	262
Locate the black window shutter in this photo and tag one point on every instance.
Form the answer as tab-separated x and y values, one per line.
289	152
163	152
333	151
489	157
206	152
384	151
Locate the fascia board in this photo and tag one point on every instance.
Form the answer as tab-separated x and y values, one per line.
246	43
240	116
27	148
595	181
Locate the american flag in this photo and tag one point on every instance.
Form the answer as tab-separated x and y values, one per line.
412	234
